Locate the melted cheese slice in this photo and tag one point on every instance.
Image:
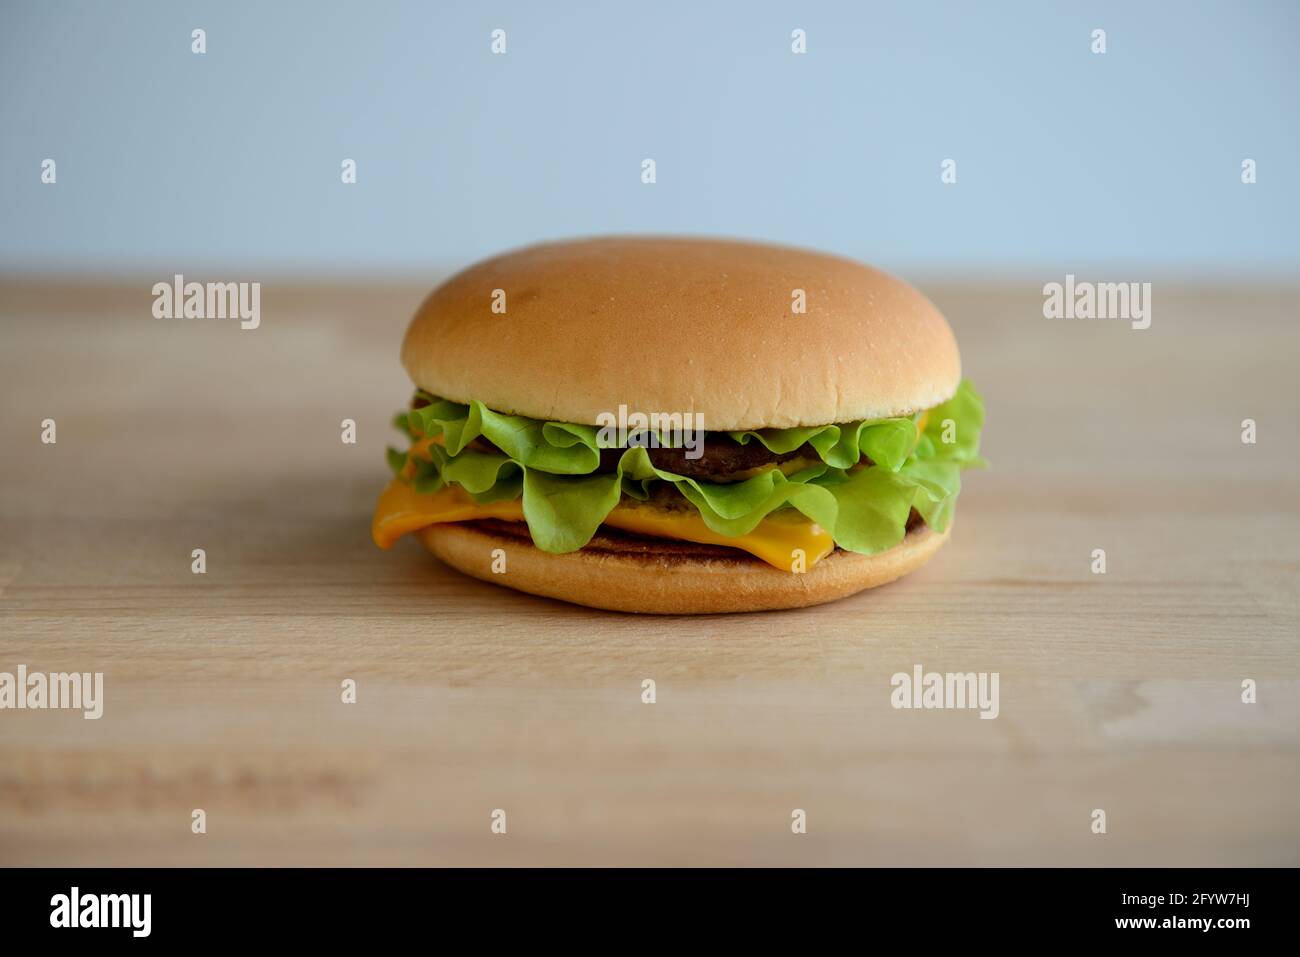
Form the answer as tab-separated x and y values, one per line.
401	509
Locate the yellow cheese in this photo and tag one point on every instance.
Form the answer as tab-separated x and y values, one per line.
401	509
774	539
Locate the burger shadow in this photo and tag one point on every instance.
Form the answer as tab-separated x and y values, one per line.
316	556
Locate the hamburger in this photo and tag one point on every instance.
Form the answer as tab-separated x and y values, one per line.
680	426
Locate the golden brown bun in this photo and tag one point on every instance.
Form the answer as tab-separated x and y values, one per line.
669	580
683	325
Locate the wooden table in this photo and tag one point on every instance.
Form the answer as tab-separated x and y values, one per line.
1120	692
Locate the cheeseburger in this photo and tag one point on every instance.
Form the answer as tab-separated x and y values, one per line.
680	426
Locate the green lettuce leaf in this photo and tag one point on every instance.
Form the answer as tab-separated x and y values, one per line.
886	442
551	466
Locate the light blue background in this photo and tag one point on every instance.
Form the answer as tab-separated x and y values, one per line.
1067	161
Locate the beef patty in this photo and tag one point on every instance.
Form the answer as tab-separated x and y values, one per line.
722	457
616	541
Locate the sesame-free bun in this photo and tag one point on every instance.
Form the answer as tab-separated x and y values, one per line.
628	573
682	325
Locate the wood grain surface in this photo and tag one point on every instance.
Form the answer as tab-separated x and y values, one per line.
1120	692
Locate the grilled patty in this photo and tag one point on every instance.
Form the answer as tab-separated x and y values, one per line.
616	541
722	458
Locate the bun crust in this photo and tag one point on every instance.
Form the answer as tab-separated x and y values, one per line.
669	581
683	325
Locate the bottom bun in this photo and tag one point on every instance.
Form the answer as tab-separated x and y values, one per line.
666	577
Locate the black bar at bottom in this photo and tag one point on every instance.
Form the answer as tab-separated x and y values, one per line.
331	906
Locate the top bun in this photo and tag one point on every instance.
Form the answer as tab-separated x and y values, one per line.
682	325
